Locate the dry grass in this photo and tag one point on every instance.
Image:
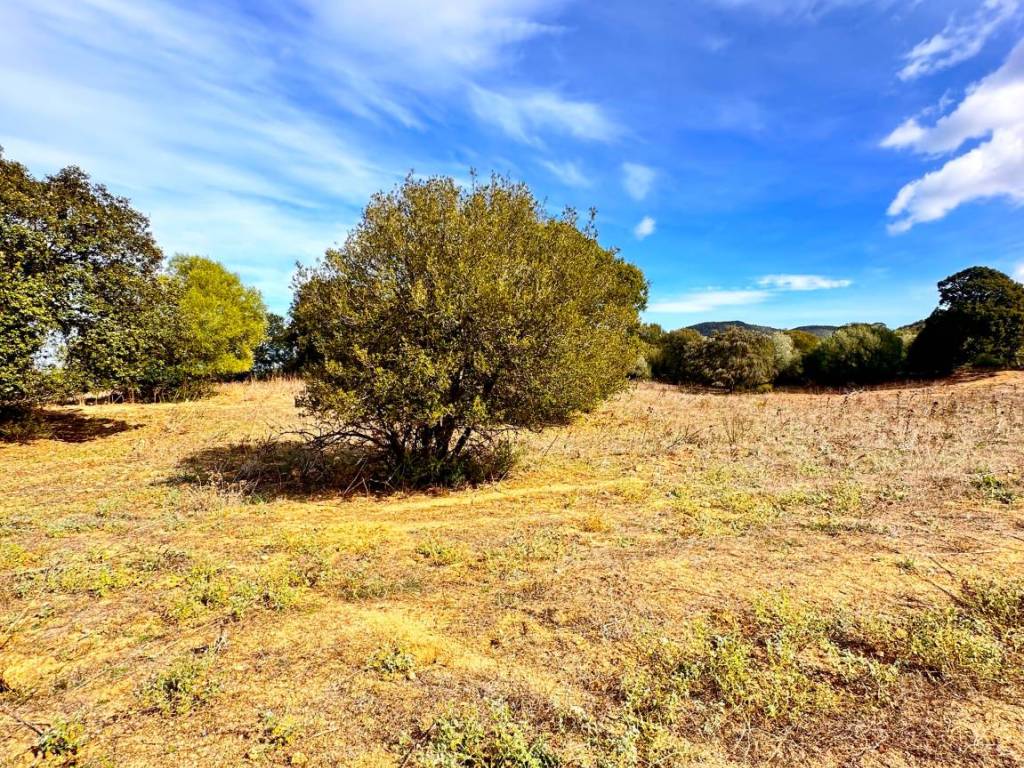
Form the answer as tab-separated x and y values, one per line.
678	579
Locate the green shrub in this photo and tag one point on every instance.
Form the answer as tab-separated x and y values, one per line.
183	686
677	359
856	354
391	660
737	359
496	741
61	740
449	315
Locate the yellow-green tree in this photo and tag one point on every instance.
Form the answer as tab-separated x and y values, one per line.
221	320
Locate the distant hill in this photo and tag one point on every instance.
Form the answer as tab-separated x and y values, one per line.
706	329
824	331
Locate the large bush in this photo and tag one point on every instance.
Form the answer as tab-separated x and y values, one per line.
860	353
449	314
738	359
75	266
979	320
790	358
678	359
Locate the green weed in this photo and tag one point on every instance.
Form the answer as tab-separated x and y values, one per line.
495	741
183	686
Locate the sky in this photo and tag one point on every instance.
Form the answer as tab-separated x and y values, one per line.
782	162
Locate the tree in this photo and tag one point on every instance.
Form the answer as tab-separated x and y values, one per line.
202	324
860	353
223	321
738	359
449	314
979	320
277	353
679	357
803	344
74	264
785	353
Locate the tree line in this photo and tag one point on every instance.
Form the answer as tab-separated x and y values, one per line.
448	316
89	304
979	322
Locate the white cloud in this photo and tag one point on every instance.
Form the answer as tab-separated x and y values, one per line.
451	38
962	39
802	282
637	179
524	114
706	301
802	10
569	173
645	228
993	111
224	126
1018	273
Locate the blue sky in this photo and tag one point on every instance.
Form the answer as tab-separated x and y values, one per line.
777	161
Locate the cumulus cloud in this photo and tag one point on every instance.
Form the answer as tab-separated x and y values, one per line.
569	173
962	39
637	179
524	114
707	301
645	228
802	282
993	112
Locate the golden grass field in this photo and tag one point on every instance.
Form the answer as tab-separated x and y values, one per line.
677	579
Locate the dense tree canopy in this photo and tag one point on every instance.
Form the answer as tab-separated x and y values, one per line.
860	353
678	357
979	320
75	262
202	324
222	320
450	313
738	359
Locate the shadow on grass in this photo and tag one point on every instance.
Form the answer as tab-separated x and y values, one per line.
830	390
284	468
295	468
65	426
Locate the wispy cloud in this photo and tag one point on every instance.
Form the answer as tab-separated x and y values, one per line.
993	111
804	10
637	179
961	39
524	115
768	286
568	172
707	301
645	228
802	282
234	130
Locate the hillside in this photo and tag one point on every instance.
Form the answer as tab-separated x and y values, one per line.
687	579
709	328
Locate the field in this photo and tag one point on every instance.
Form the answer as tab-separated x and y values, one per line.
679	578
